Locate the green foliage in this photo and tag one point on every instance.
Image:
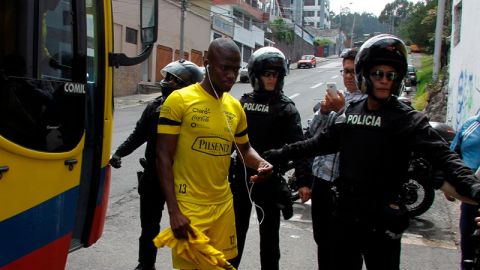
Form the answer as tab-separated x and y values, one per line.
395	13
322	42
424	77
365	23
281	31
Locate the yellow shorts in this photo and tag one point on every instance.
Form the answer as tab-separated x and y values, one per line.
217	221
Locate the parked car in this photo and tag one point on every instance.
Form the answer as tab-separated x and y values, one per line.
412	75
307	61
244	75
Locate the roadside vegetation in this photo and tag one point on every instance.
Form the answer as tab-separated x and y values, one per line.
424	77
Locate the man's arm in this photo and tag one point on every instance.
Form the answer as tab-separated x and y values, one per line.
166	147
135	139
425	140
253	160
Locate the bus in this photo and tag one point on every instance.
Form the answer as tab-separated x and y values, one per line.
56	110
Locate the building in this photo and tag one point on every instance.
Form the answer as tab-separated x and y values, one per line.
246	19
127	40
316	13
464	70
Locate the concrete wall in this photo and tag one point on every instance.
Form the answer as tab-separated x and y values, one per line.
196	31
464	79
126	14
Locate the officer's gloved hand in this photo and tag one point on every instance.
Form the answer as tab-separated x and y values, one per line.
116	161
274	156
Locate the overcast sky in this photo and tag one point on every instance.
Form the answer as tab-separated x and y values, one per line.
371	6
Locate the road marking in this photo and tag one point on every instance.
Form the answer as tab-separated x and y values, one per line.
294	96
316	85
334	77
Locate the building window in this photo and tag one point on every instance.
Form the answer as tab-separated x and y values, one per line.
318	13
458	23
309	14
238	17
131	35
309	3
246	23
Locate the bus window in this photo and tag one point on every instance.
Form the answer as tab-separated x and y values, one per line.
56	47
41	108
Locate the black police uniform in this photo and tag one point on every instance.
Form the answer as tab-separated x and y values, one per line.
273	121
375	146
151	197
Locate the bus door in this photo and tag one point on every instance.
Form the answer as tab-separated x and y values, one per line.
42	130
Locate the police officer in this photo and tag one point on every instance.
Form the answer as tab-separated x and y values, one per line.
176	75
273	121
375	137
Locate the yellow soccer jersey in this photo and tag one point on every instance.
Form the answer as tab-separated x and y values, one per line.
205	142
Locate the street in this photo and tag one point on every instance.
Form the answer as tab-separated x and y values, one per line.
429	243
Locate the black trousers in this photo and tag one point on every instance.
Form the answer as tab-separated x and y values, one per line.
269	217
355	243
151	207
322	209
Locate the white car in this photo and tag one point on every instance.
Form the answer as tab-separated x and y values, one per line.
243	73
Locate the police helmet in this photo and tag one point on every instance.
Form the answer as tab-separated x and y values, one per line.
383	49
179	74
266	58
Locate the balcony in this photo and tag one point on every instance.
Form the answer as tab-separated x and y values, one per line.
245	7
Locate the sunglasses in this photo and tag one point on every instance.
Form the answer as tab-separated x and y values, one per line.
347	72
268	73
380	74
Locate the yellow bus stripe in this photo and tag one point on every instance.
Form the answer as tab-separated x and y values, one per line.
34	177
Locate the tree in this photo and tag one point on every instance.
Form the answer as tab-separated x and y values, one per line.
281	31
322	42
395	13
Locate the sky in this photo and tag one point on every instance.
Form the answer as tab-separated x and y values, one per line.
371	6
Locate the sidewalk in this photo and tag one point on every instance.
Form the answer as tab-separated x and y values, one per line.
133	100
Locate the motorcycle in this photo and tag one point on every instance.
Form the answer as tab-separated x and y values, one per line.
418	192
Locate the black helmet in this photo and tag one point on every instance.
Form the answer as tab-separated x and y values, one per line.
184	72
266	58
383	49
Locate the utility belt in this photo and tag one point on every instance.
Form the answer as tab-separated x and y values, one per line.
369	209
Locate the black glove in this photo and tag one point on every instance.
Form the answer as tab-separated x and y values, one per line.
116	161
274	156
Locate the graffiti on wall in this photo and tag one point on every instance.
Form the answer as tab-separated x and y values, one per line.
468	94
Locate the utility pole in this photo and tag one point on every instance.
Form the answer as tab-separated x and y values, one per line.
353	27
438	39
183	8
340	33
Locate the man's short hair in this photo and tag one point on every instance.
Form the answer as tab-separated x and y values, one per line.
350	55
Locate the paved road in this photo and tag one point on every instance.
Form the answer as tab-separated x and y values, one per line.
429	244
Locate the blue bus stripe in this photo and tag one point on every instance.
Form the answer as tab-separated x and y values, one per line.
38	226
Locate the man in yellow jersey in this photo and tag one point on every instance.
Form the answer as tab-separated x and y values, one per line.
198	127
